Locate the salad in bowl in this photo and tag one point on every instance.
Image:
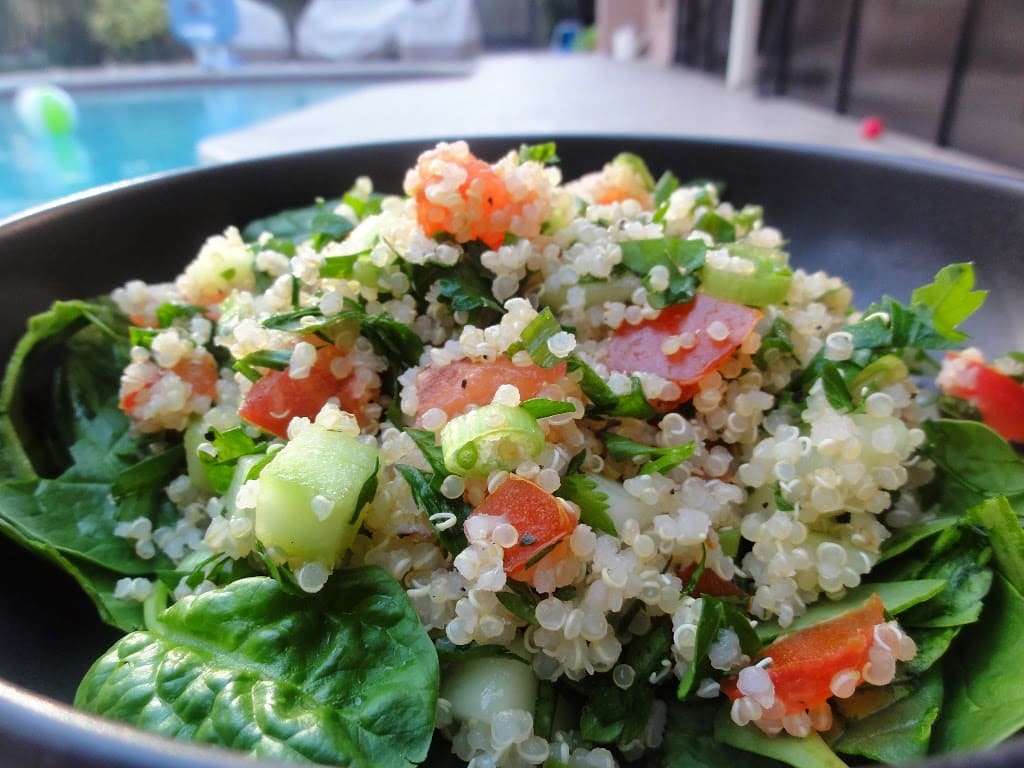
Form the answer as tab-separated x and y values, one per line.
532	470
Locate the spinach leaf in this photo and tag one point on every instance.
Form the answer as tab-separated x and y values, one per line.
901	731
71	467
808	752
295	225
448	651
984	701
905	539
347	676
976	464
1006	537
932	645
151	474
86	343
98	583
329	227
967	579
76	519
690	741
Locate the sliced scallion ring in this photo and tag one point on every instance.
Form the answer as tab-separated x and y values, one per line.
489	438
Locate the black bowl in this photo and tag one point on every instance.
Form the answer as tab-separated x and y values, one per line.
885	226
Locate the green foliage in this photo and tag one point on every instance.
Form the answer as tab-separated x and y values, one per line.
984	702
122	27
715	616
808	752
680	258
899	732
534	339
616	716
690	740
295	225
896	596
660	460
72	468
347	676
582	490
605	401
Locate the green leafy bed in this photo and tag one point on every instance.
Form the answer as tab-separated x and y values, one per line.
348	676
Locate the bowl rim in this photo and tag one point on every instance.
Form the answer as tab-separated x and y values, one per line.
31	722
937	169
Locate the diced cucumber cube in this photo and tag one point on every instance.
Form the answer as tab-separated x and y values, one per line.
312	494
478	689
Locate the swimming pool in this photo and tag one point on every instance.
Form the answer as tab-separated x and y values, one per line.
130	132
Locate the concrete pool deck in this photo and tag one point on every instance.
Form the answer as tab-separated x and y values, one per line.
187	73
546	93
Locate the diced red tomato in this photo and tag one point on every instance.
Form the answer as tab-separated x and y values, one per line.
455	387
198	371
639	348
804	662
484	209
708	583
276	398
541	520
998	398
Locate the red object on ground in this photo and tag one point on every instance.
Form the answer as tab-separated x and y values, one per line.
804	663
638	348
872	127
999	398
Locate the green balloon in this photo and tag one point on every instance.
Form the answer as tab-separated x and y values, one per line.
56	116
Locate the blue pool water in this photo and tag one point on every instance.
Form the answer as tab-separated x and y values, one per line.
135	131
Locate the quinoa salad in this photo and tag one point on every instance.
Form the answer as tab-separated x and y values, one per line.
516	470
